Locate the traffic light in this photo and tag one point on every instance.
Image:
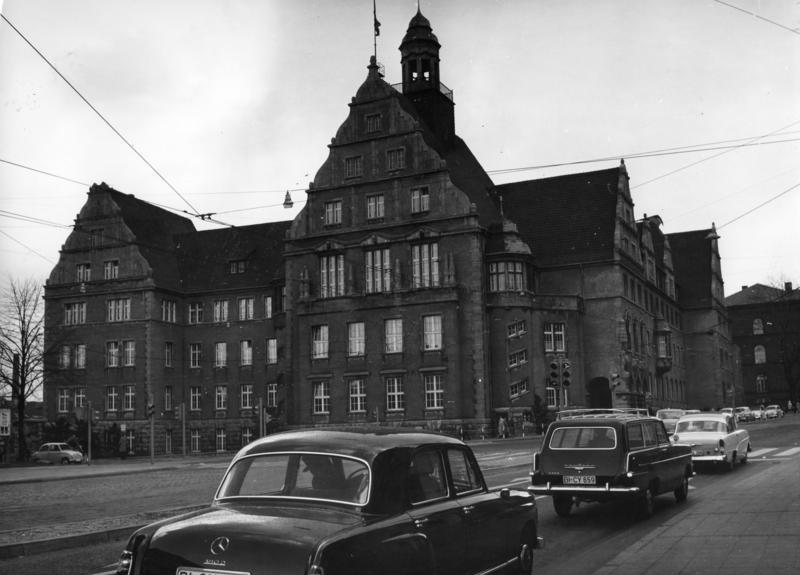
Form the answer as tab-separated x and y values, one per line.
554	376
566	374
151	409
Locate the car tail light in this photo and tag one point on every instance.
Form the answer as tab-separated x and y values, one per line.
721	443
125	563
535	462
675	439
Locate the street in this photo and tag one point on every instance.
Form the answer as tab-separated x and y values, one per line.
591	539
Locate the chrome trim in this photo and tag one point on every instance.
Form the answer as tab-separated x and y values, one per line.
545	490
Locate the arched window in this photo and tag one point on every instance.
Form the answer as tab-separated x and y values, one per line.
758	327
760	354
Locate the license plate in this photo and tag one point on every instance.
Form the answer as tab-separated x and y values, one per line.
580	480
201	571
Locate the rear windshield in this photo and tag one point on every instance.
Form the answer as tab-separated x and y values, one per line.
669	413
584	438
298	476
700	425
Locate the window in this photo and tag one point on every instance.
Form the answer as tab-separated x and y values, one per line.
168	310
552	397
395	159
63	400
111	269
195	353
195	393
319	341
195	313
462	468
432	337
247	396
517	358
425	265
355	339
373	122
375	207
128	353
758	327
169	351
220	354
80	356
221	437
272	351
83	272
128	397
761	384
517	328
434	392
221	397
331	276
760	354
358	396
118	309
80	397
247	435
554	338
112	398
220	310
112	354
167	398
395	396
420	200
246	307
96	238
74	313
237	266
393	335
507	276
333	213
168	441
353	167
268	306
195	441
246	352
64	356
378	270
321	397
272	395
427	478
517	388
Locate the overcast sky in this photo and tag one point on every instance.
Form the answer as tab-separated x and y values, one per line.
234	102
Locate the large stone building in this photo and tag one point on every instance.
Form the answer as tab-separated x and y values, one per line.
410	290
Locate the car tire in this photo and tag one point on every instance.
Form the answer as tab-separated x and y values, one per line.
743	459
682	491
65	461
731	463
562	504
646	504
526	552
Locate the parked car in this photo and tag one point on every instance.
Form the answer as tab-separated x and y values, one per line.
773	411
743	413
670	417
56	453
756	414
346	502
713	438
613	456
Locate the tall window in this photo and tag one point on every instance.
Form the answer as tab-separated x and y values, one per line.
432	338
83	272
195	393
373	122
128	353
272	395
322	397
355	339
393	335
395	396
272	351
554	336
353	167
378	270
425	265
760	354
331	276
168	310
220	354
395	159
434	392
74	313
358	396
112	354
168	441
167	398
64	356
195	354
195	441
221	397
195	312
63	400
420	200
80	356
221	310
319	341
758	327
552	397
221	439
507	276
118	309
247	395
128	397
247	435
761	384
268	306
112	398
333	213
246	352
111	269
80	397
375	207
169	351
246	307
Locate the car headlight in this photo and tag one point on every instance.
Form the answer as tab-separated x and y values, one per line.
125	563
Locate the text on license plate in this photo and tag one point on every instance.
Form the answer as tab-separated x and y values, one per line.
580	480
201	571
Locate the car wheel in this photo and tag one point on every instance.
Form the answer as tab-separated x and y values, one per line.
646	503
743	459
682	492
526	554
562	505
731	463
64	460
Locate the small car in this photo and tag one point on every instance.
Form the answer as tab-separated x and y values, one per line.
773	411
346	501
744	413
756	414
670	417
612	456
57	453
714	438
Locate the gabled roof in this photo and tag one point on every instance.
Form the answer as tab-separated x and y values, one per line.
759	294
565	219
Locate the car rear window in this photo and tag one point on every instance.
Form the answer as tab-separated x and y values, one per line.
669	414
589	437
701	425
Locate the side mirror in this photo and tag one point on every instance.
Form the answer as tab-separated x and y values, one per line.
505	493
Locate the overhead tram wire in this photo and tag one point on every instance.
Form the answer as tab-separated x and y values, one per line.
778	24
74	89
43	172
761	205
27	247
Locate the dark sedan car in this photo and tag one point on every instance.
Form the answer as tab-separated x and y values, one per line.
603	457
346	502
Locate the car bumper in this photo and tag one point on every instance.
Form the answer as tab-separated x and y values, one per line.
712	458
548	488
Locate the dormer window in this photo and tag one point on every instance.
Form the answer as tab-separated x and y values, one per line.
237	266
420	200
396	159
333	213
353	167
83	272
373	122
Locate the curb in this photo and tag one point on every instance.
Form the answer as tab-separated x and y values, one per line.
44	545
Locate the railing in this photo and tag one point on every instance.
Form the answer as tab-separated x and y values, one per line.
446	92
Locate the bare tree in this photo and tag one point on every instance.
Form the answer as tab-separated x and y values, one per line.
21	348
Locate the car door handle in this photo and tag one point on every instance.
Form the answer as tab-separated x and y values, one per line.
421	522
468	509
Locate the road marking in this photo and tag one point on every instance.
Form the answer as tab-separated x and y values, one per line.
760	452
788	452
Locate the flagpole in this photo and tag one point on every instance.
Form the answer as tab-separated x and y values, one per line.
377	30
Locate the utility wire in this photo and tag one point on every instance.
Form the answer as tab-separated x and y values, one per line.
779	25
43	172
750	211
74	89
30	249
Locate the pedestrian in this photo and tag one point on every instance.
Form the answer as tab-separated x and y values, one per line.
502	433
789	406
